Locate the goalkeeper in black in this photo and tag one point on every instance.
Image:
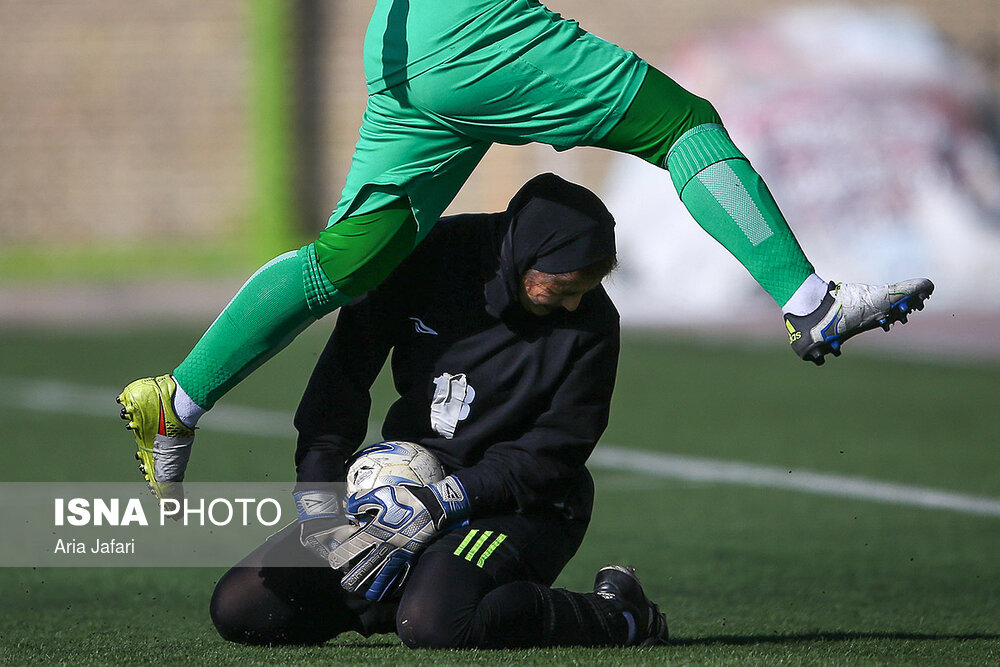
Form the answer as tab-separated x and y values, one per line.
504	348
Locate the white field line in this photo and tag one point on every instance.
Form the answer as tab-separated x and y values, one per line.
748	474
67	398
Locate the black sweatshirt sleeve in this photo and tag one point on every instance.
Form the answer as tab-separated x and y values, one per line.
534	469
332	417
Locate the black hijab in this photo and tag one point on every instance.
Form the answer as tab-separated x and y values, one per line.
554	226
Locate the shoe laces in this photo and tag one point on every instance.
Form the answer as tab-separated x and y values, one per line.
862	299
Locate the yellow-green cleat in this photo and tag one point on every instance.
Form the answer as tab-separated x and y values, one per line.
163	440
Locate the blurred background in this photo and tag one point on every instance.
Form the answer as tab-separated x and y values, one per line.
154	154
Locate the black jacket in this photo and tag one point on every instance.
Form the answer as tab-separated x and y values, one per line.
542	385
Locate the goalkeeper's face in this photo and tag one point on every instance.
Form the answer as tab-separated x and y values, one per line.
545	293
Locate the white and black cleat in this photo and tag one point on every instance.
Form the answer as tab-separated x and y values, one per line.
852	308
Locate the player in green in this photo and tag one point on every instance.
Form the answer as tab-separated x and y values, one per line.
446	80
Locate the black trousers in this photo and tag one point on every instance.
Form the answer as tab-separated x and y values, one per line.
485	585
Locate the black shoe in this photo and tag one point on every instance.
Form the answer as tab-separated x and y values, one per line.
620	586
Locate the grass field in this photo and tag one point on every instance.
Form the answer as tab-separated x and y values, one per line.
747	574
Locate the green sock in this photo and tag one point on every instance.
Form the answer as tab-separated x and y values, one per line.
265	315
731	202
291	292
676	130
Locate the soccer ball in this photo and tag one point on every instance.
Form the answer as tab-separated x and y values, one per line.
393	462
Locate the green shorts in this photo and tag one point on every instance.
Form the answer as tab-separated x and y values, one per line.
493	71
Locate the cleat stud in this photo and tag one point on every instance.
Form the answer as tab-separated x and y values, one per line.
902	319
124	415
118	400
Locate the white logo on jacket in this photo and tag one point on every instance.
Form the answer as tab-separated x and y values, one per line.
453	396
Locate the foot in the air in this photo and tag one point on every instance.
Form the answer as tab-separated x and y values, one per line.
163	440
621	587
851	308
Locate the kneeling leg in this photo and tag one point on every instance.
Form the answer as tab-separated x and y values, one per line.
452	603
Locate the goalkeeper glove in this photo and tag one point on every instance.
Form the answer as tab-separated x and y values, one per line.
322	526
398	522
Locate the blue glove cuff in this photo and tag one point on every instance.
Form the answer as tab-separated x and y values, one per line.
453	498
317	505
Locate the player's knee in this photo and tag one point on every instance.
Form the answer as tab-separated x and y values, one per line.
423	625
360	252
419	631
699	112
660	114
678	109
231	624
232	612
243	611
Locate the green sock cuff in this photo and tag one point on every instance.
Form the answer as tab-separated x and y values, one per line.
698	148
322	296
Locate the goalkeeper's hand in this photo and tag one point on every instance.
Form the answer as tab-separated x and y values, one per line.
397	523
322	524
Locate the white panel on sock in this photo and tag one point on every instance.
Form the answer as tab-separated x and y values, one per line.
722	183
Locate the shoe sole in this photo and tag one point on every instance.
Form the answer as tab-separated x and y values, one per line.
898	312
